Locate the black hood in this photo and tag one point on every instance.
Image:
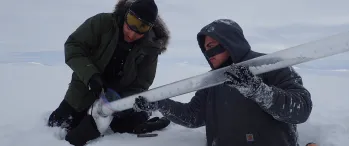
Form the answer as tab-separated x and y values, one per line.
229	34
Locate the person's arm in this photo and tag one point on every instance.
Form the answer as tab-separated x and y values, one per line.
191	114
284	98
290	100
79	46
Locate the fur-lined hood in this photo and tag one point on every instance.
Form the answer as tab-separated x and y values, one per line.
160	31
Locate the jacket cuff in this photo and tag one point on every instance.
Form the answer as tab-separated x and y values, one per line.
89	71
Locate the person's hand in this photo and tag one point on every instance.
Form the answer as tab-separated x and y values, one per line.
151	125
241	78
96	85
141	104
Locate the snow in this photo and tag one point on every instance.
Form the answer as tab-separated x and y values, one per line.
33	91
34	77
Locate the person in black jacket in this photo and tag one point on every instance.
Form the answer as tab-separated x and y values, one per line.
247	110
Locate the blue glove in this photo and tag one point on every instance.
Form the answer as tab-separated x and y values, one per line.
109	95
104	100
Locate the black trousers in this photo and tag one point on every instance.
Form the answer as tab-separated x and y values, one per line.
81	127
66	117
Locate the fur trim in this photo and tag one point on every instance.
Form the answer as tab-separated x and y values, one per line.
162	34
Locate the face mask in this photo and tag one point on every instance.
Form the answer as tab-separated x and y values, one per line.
214	51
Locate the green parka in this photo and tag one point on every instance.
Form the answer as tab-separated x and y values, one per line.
90	47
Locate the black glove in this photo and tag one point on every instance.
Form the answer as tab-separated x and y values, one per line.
151	125
241	78
141	104
96	85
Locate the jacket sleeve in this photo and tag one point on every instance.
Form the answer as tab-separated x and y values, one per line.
145	77
191	114
80	45
285	98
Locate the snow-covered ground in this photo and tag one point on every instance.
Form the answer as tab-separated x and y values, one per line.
30	91
34	77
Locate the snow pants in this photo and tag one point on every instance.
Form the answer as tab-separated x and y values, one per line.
66	117
81	127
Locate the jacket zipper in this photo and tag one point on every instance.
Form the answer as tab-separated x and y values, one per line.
215	122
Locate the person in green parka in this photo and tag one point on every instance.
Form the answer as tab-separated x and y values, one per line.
119	51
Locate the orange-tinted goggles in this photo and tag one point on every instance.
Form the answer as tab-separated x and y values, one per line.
136	24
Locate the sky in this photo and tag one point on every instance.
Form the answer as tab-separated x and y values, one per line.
269	25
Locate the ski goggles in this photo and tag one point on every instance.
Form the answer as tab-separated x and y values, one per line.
214	51
137	24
